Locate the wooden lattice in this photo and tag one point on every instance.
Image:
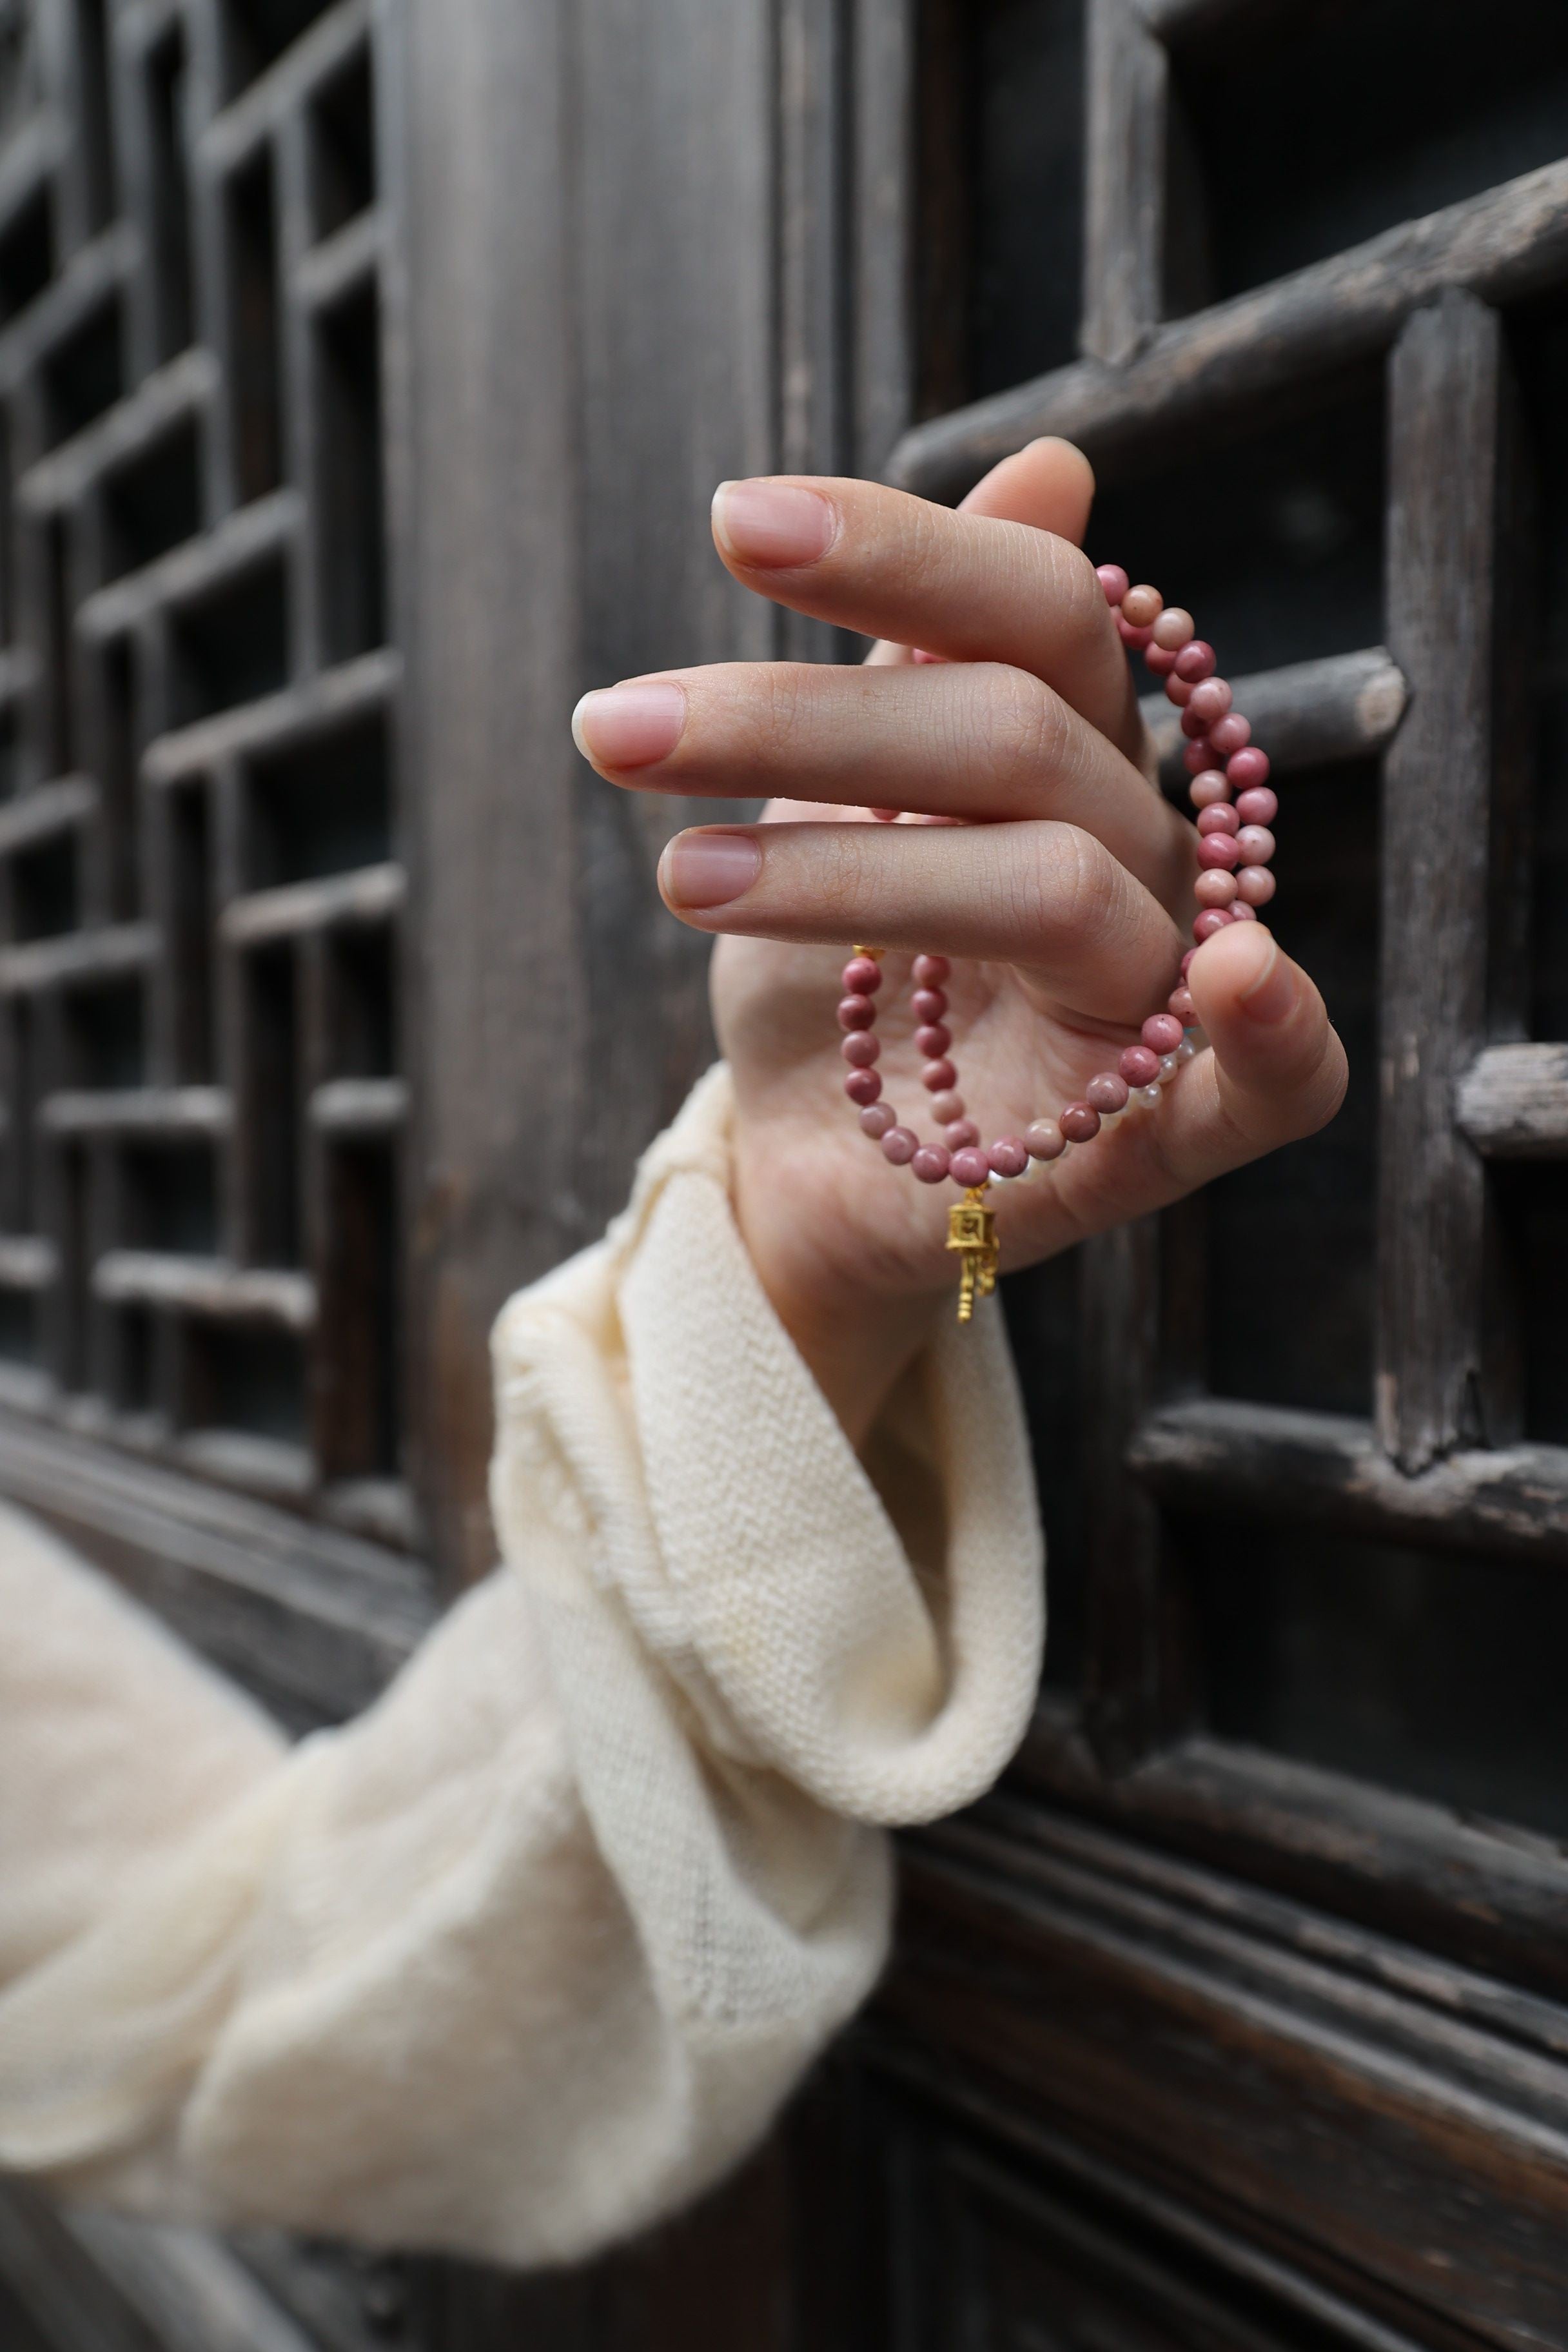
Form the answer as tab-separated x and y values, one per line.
198	889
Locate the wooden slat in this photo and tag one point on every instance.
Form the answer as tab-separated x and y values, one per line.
1512	1102
28	1262
1310	715
883	80
1445	437
265	529
74	957
41	816
372	895
297	715
1505	245
200	1285
1331	1471
359	1107
173	394
1125	196
152	1111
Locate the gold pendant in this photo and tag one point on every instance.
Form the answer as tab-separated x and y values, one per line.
972	1228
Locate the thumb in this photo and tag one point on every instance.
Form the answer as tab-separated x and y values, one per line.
1276	1069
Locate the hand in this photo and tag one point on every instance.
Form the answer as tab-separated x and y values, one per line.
1046	864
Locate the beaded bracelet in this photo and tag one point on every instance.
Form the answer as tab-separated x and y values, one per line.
1234	848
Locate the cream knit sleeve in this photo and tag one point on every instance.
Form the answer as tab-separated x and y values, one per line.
533	1950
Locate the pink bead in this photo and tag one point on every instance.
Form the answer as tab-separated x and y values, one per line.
1214	888
1195	729
1218	849
1219	817
930	971
861	1048
934	1039
1105	1091
1207	788
1180	1006
900	1145
1157	661
928	1006
1131	635
1178	691
1210	701
1142	606
1198	756
937	1077
1195	661
1187	962
1045	1140
1255	886
1242	913
969	1166
863	1087
862	976
930	1163
876	1119
856	1013
1114	582
1008	1156
1138	1065
1228	734
1175	628
1260	807
1079	1122
946	1108
886	816
1257	844
1246	768
1161	1034
961	1133
1212	919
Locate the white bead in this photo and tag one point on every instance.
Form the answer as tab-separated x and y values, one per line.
1186	1050
1167	1069
1150	1095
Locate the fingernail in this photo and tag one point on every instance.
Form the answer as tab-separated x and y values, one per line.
775	525
629	726
708	868
1273	993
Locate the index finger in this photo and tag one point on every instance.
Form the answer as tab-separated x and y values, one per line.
971	587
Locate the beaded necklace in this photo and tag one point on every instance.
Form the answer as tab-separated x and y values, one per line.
1236	807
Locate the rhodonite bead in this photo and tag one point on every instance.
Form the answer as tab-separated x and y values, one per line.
1161	1034
1218	849
968	1167
863	1087
1008	1156
1195	661
961	1133
1138	1065
1255	884
928	1006
861	1048
876	1119
1259	806
1157	661
1114	582
1242	913
934	1039
1175	628
1130	635
900	1145
1198	755
1210	701
1208	789
1187	962
1212	919
1248	767
1180	1006
947	1106
862	976
1219	817
1213	888
930	1163
1195	727
1228	734
1142	606
1255	844
1079	1122
1178	691
930	971
1044	1140
1105	1091
856	1013
938	1077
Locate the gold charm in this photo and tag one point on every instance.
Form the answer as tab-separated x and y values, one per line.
972	1228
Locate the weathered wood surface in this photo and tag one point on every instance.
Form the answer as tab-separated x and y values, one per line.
1446	409
1512	1102
1124	215
1503	246
1308	715
1332	1471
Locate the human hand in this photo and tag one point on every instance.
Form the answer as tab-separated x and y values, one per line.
1047	867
